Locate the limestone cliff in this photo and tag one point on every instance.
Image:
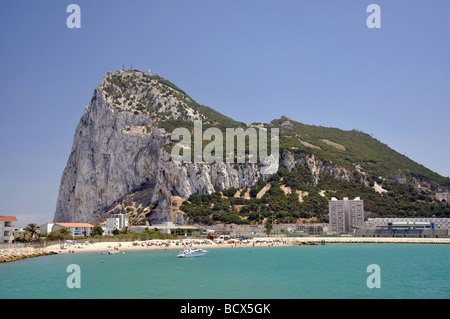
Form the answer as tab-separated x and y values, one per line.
118	153
317	167
121	162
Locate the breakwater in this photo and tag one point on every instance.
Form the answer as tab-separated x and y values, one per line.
13	254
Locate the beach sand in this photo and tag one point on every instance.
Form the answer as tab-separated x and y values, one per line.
259	242
128	246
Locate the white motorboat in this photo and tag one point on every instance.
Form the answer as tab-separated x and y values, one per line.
192	252
110	252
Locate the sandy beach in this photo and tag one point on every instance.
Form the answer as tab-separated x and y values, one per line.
130	246
256	242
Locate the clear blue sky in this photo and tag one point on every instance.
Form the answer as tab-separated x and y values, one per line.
316	62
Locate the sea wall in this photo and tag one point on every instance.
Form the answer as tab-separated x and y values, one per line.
12	254
385	240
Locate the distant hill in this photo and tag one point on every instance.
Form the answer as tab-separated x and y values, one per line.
355	149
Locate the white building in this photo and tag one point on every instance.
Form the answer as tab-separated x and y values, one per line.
436	223
7	228
76	229
165	228
117	221
46	228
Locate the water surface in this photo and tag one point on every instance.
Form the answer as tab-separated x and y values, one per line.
329	271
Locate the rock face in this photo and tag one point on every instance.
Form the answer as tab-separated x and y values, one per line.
317	167
118	152
121	154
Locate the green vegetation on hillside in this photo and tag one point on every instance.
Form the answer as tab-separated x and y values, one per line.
399	201
374	157
364	157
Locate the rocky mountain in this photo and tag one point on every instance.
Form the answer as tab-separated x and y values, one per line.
121	154
119	161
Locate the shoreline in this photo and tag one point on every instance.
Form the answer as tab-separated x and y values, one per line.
13	254
258	242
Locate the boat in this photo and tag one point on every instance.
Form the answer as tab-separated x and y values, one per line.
110	252
192	252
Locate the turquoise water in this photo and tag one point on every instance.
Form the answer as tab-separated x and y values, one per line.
329	271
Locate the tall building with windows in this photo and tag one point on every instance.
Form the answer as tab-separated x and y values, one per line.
345	214
117	221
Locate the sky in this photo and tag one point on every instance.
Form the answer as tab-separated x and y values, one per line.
316	62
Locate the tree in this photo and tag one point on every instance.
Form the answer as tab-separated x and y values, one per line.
32	229
230	192
60	234
125	230
269	228
64	231
97	231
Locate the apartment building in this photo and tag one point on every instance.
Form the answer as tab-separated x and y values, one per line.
117	221
7	228
345	214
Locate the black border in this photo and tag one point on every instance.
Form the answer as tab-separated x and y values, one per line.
170	308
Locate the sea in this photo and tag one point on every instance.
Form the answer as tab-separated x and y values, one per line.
330	271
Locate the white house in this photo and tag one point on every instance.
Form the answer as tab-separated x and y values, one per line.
115	221
7	228
75	229
46	228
